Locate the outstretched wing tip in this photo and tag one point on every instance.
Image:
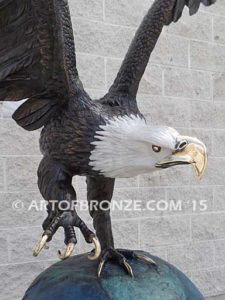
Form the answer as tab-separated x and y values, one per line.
193	6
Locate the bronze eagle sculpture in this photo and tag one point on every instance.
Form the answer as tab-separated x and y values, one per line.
103	139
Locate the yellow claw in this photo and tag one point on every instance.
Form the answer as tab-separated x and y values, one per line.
40	246
97	249
128	268
68	252
146	259
100	267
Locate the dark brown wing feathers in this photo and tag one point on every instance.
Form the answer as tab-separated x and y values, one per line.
162	13
31	113
37	58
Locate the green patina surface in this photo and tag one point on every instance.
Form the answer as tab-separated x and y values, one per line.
76	278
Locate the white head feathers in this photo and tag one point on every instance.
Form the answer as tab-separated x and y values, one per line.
123	147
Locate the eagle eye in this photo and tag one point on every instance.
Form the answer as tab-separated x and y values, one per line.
156	149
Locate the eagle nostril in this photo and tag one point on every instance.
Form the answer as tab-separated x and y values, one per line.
181	145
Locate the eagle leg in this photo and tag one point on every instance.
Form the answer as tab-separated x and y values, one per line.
56	183
99	194
100	191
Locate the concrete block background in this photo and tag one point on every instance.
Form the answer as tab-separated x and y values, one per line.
183	87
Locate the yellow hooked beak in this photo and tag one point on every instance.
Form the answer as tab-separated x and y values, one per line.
193	153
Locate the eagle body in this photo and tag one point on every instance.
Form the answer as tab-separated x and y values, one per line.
101	139
69	136
65	138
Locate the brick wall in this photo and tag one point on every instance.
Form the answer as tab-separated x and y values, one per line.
183	87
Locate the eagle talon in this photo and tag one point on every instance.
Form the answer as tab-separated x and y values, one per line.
146	259
128	268
41	245
100	267
68	252
112	254
97	253
124	262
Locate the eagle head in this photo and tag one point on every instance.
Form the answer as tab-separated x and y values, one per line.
128	146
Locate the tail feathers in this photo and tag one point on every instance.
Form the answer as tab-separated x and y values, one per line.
35	113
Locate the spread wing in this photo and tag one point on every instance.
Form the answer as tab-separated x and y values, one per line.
162	12
37	58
